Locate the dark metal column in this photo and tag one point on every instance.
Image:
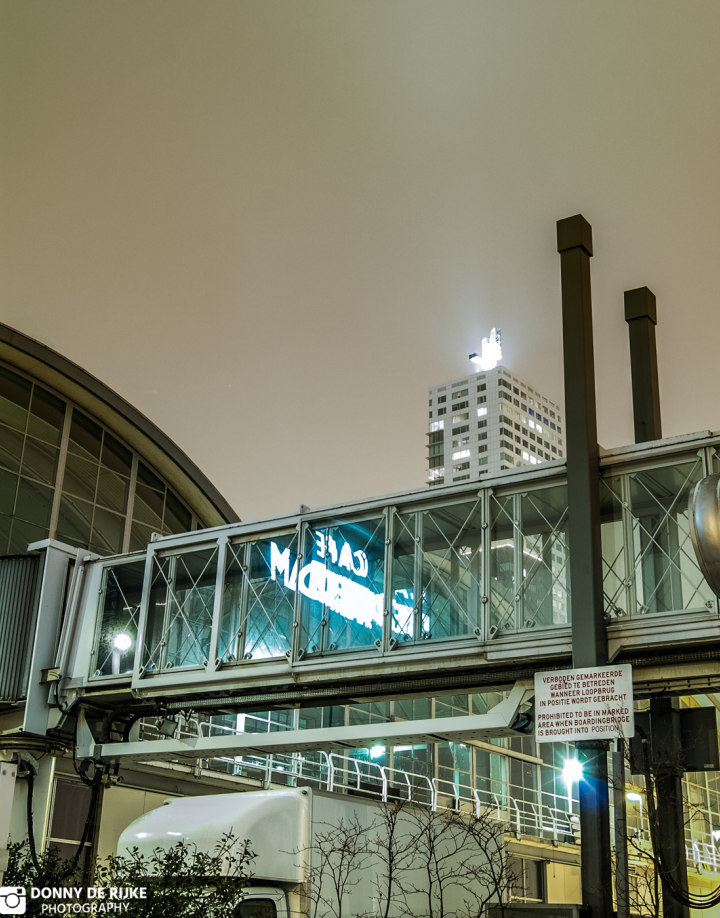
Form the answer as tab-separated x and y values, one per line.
666	744
666	741
641	316
574	236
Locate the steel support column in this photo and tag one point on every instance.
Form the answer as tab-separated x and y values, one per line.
574	239
666	745
641	316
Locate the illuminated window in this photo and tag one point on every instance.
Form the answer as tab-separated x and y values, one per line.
437	425
525	456
435	474
481	412
460	442
461	454
461	417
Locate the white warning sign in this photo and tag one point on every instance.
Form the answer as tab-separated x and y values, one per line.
584	704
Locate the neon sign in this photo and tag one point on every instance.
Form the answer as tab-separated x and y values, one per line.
337	592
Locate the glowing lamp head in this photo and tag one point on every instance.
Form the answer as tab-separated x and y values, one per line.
633	797
377	751
121	641
572	771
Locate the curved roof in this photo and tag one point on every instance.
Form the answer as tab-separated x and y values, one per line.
70	380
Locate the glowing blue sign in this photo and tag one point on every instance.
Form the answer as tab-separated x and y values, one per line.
337	592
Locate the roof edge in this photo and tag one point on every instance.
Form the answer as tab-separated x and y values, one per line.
34	356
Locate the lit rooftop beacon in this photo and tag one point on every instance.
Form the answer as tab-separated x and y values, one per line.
491	352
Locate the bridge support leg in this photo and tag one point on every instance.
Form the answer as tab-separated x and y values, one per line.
574	238
667	753
641	316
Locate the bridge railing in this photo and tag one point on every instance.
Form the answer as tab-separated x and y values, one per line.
377	585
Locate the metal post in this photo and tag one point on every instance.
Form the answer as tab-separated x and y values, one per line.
666	745
574	238
666	742
622	890
641	316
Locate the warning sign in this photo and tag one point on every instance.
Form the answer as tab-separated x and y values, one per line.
584	704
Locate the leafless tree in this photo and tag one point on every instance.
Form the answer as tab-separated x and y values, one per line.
390	843
338	854
488	878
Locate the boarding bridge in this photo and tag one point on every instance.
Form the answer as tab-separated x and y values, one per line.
446	590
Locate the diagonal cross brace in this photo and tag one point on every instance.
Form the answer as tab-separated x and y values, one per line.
497	722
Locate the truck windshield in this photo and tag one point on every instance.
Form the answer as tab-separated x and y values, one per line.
255	908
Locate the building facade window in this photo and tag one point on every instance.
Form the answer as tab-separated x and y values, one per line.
64	476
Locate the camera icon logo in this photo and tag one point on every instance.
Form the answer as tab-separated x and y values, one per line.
12	900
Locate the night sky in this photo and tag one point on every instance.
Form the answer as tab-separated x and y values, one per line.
271	226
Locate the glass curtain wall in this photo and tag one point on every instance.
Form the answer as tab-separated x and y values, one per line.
64	476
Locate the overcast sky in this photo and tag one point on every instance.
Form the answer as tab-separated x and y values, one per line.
271	226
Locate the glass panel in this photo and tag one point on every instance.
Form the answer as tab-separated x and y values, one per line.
667	576
177	518
4	532
502	565
47	414
14	399
613	546
115	456
118	621
181	609
491	777
74	520
451	570
24	533
258	597
85	436
80	477
107	534
40	461
34	502
404	613
112	490
148	477
545	591
11	444
342	586
8	489
148	508
140	536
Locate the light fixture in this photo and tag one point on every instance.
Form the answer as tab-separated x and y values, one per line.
633	797
121	641
491	352
377	751
572	771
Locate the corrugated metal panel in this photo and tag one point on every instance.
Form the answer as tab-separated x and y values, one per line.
18	611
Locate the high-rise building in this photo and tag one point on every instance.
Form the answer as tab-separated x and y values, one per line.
488	421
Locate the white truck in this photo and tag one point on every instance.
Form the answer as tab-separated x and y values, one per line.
293	873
